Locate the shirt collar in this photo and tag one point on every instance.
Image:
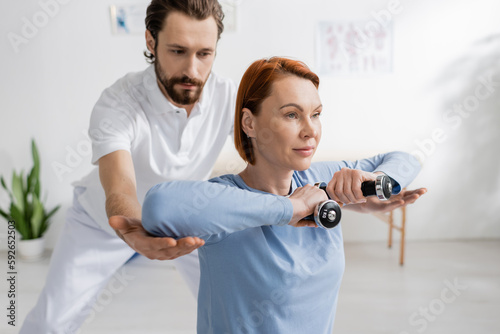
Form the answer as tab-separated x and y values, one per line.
162	105
241	183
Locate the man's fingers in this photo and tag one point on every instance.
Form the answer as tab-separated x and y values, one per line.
185	246
190	243
154	248
168	248
162	243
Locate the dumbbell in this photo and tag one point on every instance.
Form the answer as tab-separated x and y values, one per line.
327	214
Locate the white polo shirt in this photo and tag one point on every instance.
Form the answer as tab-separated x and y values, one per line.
134	115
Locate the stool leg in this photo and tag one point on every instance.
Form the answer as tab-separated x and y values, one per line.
391	221
403	226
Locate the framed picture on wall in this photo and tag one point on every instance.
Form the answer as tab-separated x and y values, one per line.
128	19
354	47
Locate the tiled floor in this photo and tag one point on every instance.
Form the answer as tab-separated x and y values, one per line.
444	287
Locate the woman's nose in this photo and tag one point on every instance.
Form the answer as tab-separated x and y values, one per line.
309	129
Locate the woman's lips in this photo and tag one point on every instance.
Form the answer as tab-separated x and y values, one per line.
305	151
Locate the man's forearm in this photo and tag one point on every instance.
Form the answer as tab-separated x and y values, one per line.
119	204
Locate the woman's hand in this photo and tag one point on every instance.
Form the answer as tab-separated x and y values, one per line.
304	201
374	205
345	186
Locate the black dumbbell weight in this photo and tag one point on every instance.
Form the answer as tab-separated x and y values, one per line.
381	187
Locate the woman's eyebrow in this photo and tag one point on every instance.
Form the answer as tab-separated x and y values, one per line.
298	107
292	105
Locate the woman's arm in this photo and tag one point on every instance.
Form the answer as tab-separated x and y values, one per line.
401	167
201	209
346	178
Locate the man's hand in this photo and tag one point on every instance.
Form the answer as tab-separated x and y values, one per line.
374	205
133	233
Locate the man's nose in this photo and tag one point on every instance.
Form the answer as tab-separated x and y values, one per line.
190	67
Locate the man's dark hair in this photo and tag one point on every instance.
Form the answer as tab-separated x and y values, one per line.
158	11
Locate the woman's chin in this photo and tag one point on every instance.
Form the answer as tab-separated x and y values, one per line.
303	165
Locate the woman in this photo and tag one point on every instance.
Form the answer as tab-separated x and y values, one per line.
259	274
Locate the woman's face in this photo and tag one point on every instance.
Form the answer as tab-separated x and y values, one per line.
287	130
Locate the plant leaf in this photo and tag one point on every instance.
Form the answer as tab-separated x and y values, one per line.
36	168
21	225
45	222
7	189
5	215
3	184
17	190
27	198
54	210
37	217
26	208
30	180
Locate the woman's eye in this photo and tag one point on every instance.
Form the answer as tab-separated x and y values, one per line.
316	115
291	115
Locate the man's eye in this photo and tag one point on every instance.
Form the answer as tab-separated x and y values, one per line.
177	52
204	54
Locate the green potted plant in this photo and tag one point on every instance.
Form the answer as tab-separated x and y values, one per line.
27	211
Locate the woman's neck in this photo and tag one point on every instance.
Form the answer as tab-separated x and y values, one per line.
273	181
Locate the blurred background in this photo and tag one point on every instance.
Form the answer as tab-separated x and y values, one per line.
439	98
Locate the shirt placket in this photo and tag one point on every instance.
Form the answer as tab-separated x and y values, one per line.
190	132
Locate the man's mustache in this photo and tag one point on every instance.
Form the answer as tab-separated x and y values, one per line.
186	80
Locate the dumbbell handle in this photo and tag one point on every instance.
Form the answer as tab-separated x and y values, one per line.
327	214
380	187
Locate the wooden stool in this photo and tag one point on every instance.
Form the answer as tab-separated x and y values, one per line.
389	219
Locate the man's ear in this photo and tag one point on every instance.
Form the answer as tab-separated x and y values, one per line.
150	42
248	122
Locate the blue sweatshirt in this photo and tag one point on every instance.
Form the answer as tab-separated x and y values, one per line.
258	274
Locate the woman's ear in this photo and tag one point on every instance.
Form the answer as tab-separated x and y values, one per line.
150	42
247	122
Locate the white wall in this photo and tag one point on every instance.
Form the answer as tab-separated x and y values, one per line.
441	49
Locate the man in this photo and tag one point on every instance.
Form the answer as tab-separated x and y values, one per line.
167	122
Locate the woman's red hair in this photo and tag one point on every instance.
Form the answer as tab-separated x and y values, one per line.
255	87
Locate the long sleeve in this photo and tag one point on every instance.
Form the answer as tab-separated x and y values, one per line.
203	209
401	167
218	207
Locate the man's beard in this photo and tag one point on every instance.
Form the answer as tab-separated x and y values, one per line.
182	96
